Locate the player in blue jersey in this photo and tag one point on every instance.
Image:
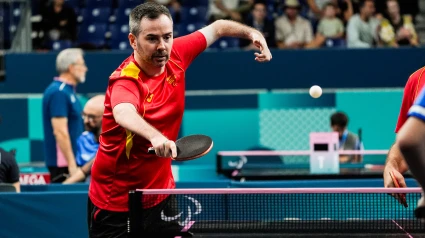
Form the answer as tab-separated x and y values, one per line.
411	140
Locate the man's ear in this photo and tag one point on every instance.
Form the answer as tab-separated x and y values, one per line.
133	41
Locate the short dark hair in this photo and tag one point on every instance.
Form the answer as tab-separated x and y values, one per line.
339	119
150	10
363	3
329	4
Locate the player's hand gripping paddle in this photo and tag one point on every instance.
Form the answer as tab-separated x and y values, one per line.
191	147
401	196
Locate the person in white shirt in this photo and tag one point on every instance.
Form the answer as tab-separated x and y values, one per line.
362	28
292	30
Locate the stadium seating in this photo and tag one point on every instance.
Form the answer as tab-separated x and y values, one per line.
93	34
60	45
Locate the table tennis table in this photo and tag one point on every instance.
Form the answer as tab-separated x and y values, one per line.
294	165
268	212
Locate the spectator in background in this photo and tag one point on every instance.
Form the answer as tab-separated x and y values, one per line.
88	142
62	113
407	7
343	9
9	170
316	7
260	22
59	22
347	139
362	28
292	30
330	27
396	30
229	9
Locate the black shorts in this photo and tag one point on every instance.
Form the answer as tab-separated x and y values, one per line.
103	223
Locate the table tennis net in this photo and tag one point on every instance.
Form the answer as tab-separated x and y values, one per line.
281	210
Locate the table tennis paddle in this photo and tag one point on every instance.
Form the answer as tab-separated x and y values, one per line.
401	196
190	147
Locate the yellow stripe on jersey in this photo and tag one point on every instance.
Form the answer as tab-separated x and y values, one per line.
128	143
130	70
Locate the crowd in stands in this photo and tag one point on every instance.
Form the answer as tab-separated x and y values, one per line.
286	24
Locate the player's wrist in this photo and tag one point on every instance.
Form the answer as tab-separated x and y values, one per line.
254	34
389	167
72	165
158	139
83	172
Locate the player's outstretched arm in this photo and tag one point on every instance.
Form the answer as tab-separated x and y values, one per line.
125	115
229	28
411	140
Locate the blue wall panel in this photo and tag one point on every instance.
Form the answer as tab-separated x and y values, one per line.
31	73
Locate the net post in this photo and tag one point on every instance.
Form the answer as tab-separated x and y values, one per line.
134	223
218	160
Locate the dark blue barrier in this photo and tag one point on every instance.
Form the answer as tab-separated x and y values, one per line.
31	73
43	214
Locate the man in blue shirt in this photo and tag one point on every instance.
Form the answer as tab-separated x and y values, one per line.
62	113
88	142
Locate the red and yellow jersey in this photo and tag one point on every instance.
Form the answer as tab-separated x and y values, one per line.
411	91
122	162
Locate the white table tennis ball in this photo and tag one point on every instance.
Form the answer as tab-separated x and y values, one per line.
315	91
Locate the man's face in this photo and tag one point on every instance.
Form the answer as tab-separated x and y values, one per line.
59	2
393	8
291	12
155	40
330	11
79	69
368	9
92	119
259	12
338	129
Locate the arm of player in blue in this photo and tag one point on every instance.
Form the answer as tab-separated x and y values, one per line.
418	108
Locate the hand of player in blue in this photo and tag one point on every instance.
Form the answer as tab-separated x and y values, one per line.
388	183
260	42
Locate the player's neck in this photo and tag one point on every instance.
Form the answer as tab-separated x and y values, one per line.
68	79
152	71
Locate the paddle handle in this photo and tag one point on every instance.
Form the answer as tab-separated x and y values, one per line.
151	150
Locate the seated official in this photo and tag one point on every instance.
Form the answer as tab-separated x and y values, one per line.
347	139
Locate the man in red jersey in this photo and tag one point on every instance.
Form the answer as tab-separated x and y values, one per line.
395	161
144	107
